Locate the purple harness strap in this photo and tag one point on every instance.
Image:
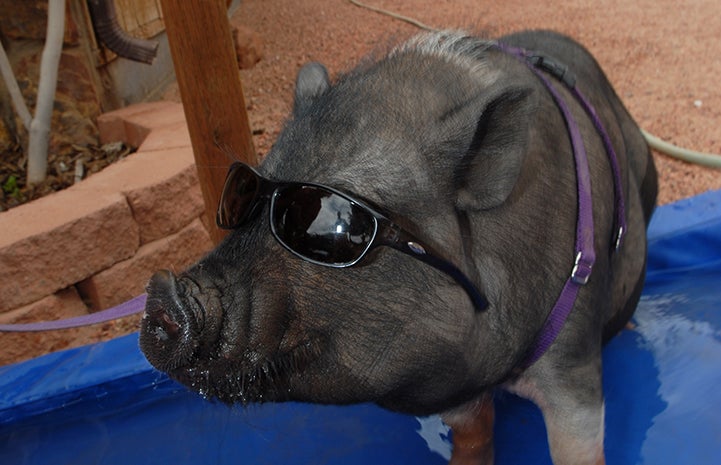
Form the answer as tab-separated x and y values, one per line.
132	306
585	254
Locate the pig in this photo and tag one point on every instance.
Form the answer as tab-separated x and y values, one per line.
453	144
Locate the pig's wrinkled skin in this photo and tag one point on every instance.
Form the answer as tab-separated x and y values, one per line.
446	129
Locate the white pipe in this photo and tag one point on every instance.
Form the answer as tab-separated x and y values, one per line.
12	84
40	126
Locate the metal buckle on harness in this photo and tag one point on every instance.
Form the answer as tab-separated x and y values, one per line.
619	237
581	270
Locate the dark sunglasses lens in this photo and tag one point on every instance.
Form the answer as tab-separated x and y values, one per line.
320	225
237	198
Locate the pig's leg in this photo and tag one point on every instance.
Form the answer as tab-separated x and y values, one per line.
576	437
472	426
571	401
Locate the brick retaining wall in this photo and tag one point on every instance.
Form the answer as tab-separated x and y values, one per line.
95	244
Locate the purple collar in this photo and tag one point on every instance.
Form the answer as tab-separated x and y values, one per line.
584	252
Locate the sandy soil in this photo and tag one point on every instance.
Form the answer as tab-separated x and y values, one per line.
662	56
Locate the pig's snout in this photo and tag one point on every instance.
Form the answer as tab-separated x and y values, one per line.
174	321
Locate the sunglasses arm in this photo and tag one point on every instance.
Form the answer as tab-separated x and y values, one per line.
409	245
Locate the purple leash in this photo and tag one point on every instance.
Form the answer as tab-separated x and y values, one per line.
585	255
131	307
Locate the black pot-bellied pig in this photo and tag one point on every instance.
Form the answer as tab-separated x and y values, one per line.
434	224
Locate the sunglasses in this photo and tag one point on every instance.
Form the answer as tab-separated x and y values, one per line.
323	225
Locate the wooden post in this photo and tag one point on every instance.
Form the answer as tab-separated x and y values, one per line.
206	68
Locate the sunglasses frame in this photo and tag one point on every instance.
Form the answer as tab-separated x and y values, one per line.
386	232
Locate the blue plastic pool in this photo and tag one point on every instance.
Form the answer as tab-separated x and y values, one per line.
103	404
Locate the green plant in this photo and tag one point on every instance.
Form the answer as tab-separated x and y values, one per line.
10	186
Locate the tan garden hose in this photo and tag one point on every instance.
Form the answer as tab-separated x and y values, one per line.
706	159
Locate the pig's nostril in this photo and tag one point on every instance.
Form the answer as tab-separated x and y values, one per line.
183	320
170	327
164	307
162	325
169	332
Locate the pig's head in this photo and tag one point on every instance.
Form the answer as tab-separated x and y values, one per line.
431	135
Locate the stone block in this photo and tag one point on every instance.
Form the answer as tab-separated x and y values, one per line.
65	303
165	207
21	346
161	187
112	125
128	278
159	115
135	135
174	135
60	239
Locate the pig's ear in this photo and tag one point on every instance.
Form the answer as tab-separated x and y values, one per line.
489	170
312	81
